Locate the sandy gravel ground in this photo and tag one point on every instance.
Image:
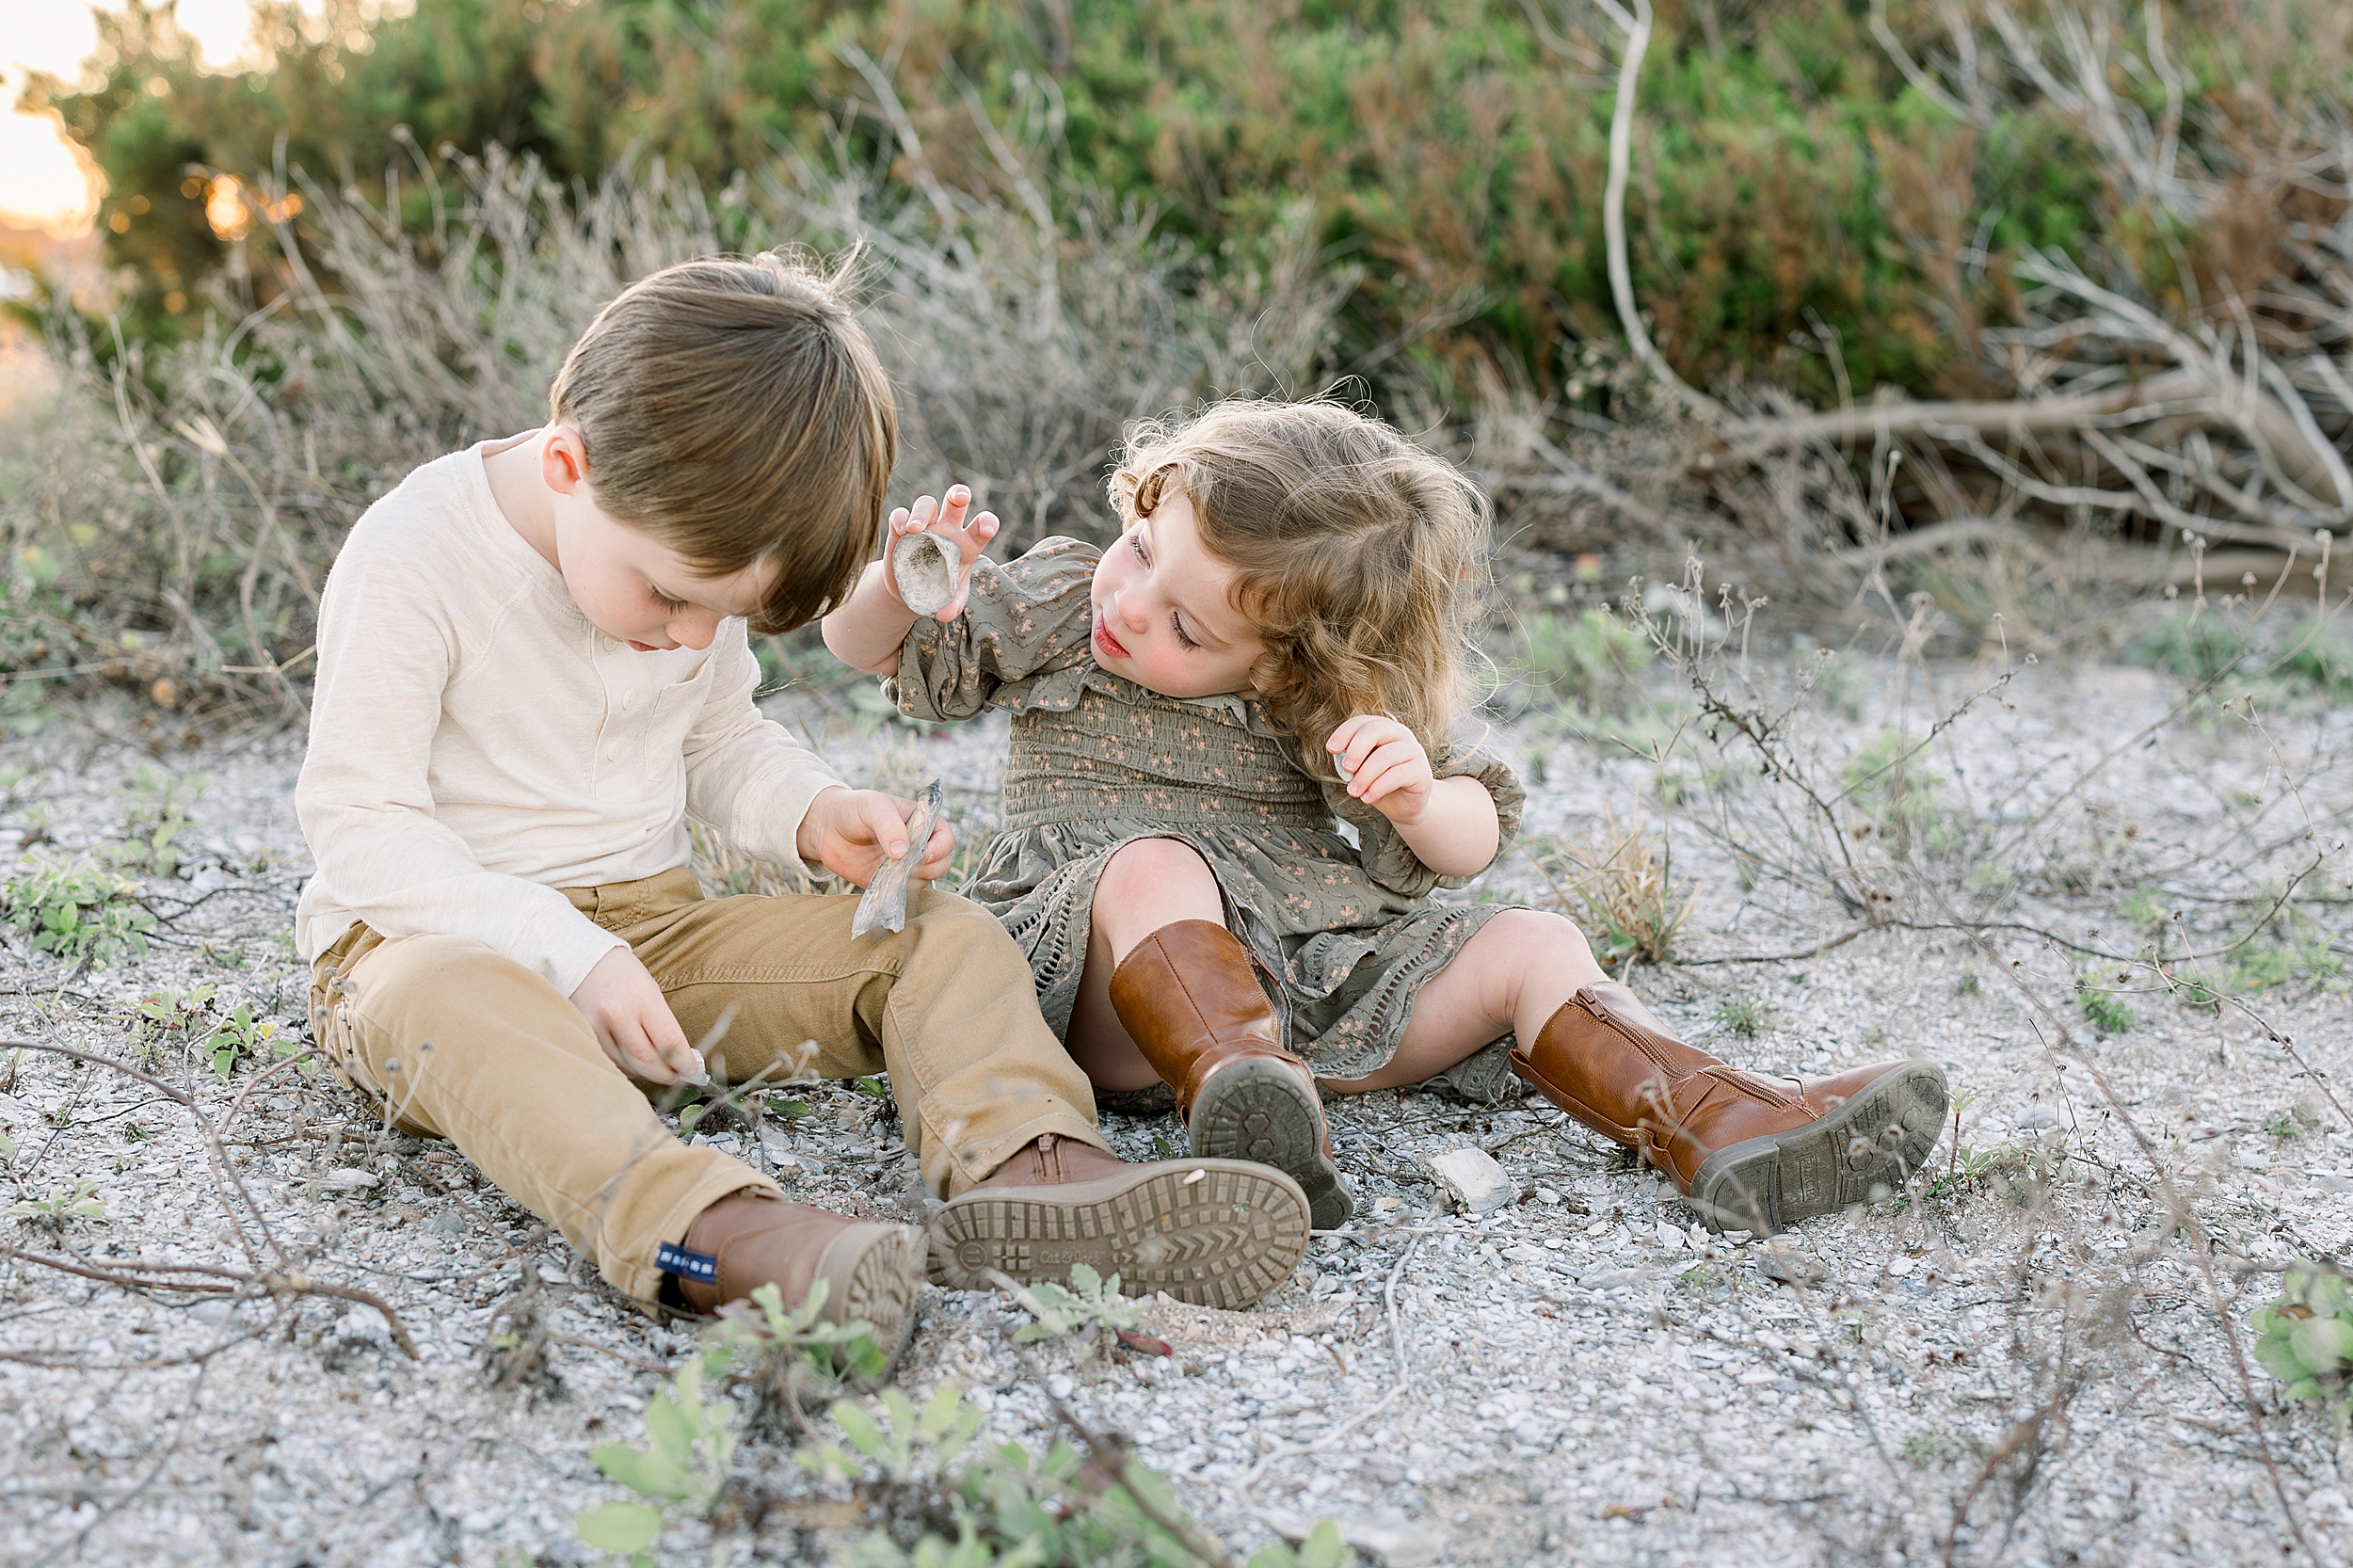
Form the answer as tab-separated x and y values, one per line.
2032	1358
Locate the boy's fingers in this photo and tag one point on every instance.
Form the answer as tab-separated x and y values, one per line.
936	853
640	1058
886	820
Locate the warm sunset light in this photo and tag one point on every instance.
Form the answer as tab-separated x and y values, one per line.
44	181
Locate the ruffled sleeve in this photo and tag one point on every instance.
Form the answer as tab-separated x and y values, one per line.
1020	643
1383	850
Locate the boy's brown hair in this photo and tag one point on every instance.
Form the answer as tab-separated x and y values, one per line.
1354	550
735	410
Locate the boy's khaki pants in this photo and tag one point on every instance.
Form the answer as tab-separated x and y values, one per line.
455	1041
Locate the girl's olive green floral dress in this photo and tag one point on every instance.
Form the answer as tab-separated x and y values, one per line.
1343	935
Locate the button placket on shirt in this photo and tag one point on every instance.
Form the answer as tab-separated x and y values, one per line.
613	669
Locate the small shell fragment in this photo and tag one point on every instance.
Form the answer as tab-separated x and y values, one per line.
924	567
884	905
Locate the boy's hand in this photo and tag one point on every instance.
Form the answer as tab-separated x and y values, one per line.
1386	765
947	520
852	832
633	1022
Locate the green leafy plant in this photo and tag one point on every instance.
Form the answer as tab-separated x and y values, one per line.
1899	799
81	913
1092	1306
2261	966
241	1035
169	1017
902	1444
2104	1010
154	815
1009	1508
2293	1122
684	1466
1932	1446
2307	1337
2192	646
59	1204
790	1358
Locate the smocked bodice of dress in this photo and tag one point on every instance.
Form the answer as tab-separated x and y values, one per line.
1153	761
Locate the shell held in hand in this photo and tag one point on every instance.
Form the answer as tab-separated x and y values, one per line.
924	567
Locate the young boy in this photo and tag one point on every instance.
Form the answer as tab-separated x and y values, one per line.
533	664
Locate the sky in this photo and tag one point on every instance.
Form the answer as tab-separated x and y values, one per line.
41	182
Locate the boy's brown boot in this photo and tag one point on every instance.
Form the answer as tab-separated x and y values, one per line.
753	1237
1192	1005
1749	1152
1213	1232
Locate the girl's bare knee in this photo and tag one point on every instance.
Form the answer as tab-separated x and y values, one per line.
1157	864
1523	943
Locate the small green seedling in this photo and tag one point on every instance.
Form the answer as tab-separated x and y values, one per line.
1094	1305
59	1204
167	1012
2105	1009
2307	1338
242	1035
154	815
834	1349
1745	1016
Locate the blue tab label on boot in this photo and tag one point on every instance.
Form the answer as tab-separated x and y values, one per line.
671	1258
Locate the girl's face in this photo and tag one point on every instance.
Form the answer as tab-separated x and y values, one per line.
1164	616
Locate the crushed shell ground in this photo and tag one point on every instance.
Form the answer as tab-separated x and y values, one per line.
2001	1369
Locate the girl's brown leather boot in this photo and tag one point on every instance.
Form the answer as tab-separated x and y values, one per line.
1750	1153
1192	1005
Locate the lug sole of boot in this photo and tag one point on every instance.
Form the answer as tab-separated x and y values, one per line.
1863	1151
1215	1233
872	1275
1260	1111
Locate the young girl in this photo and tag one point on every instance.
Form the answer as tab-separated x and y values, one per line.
1234	784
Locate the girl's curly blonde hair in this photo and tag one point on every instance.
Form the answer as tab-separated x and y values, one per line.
1354	550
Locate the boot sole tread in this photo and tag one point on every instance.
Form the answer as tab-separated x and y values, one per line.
1260	1111
885	1277
1768	1184
1224	1236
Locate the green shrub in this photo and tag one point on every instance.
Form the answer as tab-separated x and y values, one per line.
1790	184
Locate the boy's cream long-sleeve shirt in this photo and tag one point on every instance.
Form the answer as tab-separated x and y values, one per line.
475	744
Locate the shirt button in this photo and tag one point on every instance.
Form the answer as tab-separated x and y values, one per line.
606	644
613	751
629	700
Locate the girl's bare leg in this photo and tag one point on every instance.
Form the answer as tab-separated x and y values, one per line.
1149	884
1512	976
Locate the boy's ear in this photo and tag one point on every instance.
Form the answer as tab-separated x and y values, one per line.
564	459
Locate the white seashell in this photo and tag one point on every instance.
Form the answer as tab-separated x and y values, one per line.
924	567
